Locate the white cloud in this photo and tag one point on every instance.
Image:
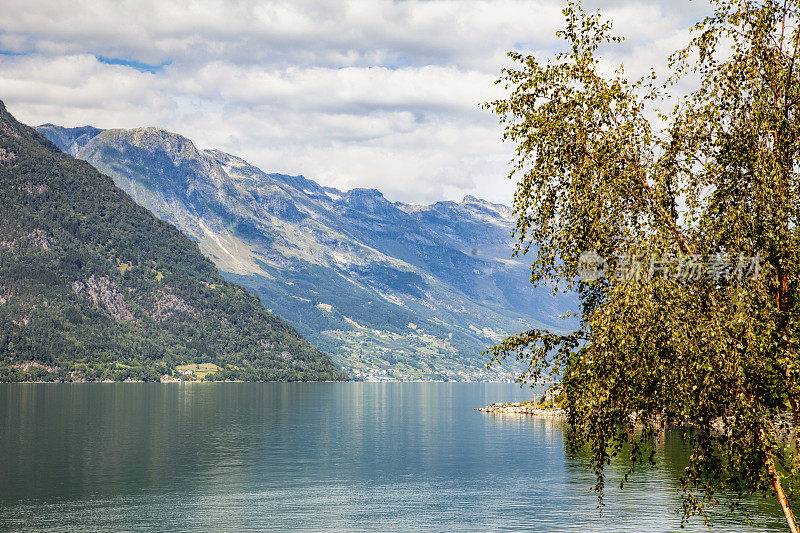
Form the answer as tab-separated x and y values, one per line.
372	94
78	89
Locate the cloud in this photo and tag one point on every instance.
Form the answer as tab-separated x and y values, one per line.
352	89
289	33
379	94
78	89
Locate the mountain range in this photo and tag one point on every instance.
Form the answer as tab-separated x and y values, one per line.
391	290
94	287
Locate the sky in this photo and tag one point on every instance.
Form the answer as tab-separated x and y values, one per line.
382	94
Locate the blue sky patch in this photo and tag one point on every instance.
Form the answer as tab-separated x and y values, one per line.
138	65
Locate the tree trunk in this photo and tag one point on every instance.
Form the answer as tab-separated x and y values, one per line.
784	501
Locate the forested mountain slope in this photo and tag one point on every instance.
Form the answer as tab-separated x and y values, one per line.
93	286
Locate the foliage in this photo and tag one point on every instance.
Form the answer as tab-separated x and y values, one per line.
715	178
94	287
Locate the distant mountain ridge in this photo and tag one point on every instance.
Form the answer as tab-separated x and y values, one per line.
388	289
94	287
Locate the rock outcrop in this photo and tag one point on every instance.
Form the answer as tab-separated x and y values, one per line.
104	291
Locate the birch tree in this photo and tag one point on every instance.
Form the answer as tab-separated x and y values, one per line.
679	232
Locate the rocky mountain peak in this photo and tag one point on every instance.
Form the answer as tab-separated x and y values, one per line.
70	140
368	200
157	139
485	207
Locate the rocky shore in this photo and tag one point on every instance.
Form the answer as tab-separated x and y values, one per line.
519	408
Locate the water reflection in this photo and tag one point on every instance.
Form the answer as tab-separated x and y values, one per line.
361	456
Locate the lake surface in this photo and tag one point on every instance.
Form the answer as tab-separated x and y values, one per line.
310	456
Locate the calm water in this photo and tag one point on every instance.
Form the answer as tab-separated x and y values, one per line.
356	456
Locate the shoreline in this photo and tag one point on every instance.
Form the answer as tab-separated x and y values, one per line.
523	408
242	381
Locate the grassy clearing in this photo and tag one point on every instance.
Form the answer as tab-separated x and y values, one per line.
197	371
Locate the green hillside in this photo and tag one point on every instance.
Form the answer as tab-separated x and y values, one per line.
94	287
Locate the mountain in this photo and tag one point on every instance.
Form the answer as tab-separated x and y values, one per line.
388	289
94	287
